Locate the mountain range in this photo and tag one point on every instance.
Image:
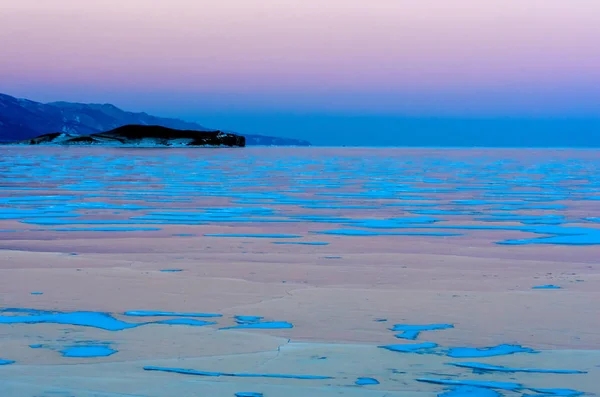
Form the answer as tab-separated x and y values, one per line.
22	119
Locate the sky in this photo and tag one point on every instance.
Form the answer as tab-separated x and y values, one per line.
316	69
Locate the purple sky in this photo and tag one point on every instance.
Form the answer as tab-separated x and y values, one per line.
200	58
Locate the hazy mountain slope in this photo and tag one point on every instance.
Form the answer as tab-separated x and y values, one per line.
23	119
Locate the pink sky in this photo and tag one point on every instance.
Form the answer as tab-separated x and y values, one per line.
276	51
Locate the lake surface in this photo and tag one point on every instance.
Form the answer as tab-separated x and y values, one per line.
299	271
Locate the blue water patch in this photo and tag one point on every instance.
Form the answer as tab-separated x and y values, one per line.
419	348
184	235
171	270
500	350
151	313
241	375
37	293
366	381
511	386
262	325
469	391
548	286
6	362
36	346
88	351
253	235
248	394
482	368
412	332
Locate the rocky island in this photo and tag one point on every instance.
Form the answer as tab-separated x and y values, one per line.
141	136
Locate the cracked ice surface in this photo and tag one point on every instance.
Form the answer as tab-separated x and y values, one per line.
98	230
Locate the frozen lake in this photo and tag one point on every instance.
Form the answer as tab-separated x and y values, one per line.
299	271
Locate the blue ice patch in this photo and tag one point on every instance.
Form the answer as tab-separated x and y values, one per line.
500	350
366	381
6	362
88	351
412	332
85	319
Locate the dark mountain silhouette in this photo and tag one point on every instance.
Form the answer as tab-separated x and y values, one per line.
22	119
